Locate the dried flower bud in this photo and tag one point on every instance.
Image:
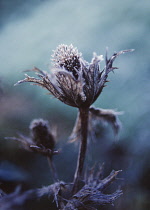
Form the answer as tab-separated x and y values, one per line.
73	80
41	135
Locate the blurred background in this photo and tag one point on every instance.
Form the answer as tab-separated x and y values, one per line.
29	31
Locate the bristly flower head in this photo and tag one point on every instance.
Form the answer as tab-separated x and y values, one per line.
67	57
41	134
42	138
74	81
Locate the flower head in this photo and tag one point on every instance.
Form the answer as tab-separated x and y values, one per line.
41	134
42	138
74	81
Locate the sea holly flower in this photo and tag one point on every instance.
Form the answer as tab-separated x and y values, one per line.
41	134
73	80
78	83
42	138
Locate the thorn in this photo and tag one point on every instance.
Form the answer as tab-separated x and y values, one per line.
129	50
27	76
16	84
101	72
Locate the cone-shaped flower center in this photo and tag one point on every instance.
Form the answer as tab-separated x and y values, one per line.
67	57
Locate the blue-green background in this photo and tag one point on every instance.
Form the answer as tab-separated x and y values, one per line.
29	31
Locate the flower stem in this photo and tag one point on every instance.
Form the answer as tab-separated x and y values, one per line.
53	169
84	112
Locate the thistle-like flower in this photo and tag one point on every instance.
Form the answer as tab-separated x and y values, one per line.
78	83
74	81
42	139
41	134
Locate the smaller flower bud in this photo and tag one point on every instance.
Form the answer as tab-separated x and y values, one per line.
41	134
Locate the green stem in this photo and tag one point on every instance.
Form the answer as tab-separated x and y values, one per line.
84	112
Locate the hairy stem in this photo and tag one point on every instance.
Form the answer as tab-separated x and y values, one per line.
84	112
